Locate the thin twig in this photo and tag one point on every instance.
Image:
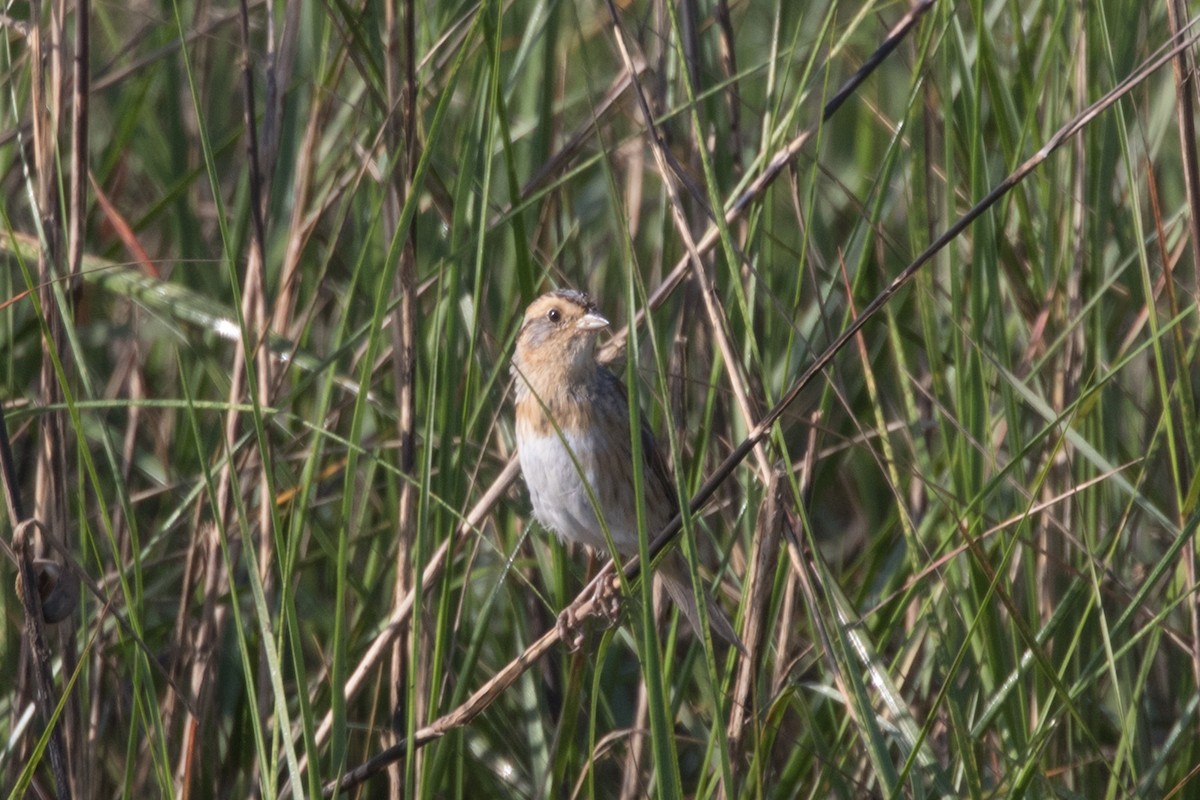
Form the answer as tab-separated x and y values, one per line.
76	221
248	113
1185	89
79	144
410	656
759	585
35	637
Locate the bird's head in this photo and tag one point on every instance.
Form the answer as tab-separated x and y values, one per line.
557	341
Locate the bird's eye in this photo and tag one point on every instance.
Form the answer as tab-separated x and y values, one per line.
554	315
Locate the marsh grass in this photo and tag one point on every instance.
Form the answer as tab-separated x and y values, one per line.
963	557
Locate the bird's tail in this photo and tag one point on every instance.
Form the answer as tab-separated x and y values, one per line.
673	572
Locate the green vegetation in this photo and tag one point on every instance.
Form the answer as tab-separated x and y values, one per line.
963	557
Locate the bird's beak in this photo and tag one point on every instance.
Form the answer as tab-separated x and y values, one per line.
591	322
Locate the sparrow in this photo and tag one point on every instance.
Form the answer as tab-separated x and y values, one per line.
572	430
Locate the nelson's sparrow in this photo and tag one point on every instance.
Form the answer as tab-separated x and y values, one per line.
572	421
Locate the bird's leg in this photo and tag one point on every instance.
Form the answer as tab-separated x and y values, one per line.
606	595
608	599
569	624
570	629
605	601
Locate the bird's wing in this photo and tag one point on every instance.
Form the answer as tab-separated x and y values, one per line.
658	471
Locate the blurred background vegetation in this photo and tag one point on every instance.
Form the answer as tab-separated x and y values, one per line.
255	377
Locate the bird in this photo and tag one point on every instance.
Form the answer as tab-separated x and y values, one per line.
575	450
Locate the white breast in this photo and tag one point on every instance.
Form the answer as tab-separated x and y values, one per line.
556	486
